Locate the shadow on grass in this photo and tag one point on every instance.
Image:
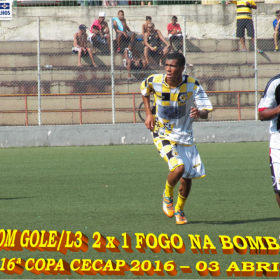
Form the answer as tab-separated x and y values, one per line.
11	198
235	222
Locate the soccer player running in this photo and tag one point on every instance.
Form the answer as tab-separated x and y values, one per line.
269	110
179	99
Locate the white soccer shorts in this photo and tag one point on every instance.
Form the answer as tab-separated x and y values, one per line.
274	157
176	155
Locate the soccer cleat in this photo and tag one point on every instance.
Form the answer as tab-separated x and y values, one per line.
180	217
168	205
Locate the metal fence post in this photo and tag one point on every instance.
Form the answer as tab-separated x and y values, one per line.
256	69
112	73
39	72
184	40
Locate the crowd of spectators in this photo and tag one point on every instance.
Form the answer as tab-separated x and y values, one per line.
155	46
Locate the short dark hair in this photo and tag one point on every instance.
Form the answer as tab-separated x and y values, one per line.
148	18
181	61
277	13
174	17
120	11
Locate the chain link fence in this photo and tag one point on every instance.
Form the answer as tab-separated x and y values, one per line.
43	82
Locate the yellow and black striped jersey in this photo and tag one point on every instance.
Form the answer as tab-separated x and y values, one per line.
243	12
173	105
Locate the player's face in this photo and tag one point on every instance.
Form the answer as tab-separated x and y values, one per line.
173	70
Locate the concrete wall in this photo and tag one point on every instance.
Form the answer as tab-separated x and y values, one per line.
202	21
119	134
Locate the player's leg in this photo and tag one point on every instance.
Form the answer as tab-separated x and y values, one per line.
168	152
194	169
172	179
184	191
274	162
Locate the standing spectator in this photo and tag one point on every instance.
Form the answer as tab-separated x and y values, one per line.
132	60
152	41
144	25
276	27
122	30
80	45
100	32
244	21
174	32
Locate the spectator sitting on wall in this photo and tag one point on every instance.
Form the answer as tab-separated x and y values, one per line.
132	60
144	25
100	32
80	45
175	33
152	41
276	27
122	30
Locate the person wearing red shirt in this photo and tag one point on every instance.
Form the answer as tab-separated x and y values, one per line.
100	32
175	33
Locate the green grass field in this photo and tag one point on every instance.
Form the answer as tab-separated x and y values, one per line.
118	189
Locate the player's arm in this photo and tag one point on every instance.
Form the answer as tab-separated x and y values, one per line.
269	114
149	122
195	113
